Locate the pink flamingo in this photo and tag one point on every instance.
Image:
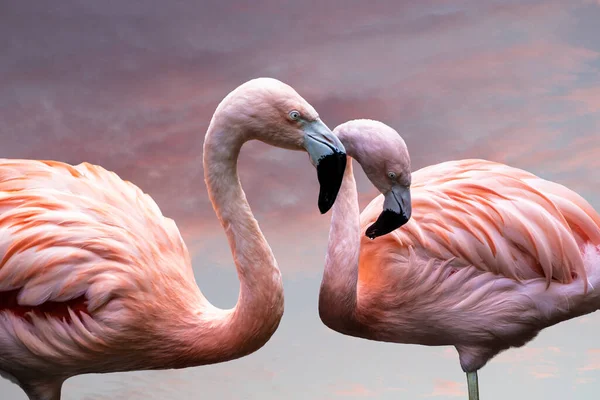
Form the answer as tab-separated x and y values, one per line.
490	257
94	279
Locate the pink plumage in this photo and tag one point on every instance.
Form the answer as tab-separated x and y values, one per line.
86	259
491	255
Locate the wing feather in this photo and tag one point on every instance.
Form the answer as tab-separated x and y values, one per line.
72	230
497	218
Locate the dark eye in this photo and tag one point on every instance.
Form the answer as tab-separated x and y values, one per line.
392	175
294	115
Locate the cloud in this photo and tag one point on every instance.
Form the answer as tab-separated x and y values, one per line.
360	390
356	390
544	371
592	361
450	353
587	99
535	361
448	389
538	362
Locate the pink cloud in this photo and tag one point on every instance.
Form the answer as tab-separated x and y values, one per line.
449	353
538	362
544	371
356	390
521	355
539	151
587	100
360	390
448	389
592	361
511	145
508	70
554	349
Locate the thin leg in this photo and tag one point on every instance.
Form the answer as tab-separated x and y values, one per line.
473	385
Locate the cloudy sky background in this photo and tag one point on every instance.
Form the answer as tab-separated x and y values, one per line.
132	85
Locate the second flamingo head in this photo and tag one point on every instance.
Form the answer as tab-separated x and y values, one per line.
383	155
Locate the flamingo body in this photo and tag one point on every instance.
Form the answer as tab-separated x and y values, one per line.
490	256
85	259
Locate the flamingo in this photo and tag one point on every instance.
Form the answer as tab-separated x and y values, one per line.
94	279
490	256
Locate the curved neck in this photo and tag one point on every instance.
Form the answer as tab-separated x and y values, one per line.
230	334
338	296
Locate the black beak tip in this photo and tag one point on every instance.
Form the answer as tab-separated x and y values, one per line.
387	222
330	171
371	232
324	205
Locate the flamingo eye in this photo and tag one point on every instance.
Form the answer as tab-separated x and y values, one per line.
294	115
391	175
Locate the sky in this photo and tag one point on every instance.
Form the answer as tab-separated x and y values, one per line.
132	85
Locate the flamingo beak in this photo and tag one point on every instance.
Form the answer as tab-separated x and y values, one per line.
397	210
328	155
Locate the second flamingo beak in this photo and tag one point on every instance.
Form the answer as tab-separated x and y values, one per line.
328	155
397	210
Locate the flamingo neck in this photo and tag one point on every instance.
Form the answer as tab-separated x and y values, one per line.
338	296
228	334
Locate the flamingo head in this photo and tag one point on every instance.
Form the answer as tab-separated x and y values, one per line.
383	155
273	112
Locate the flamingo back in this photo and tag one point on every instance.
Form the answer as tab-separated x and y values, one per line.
497	218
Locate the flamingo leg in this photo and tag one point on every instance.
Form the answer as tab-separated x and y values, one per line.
473	385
